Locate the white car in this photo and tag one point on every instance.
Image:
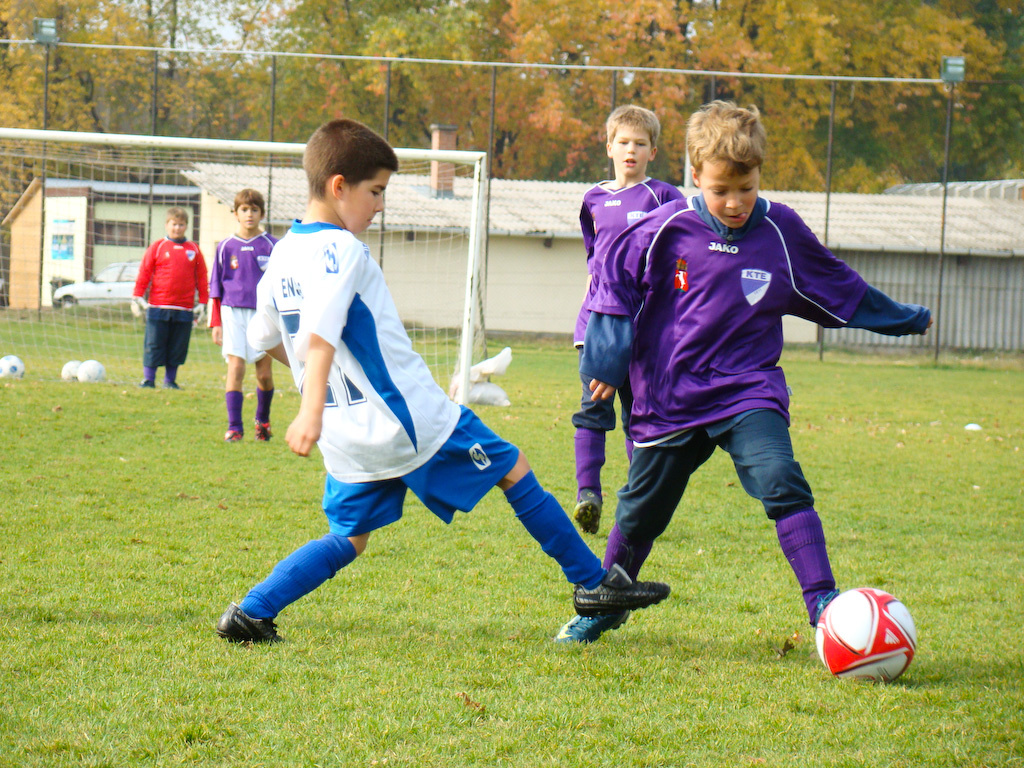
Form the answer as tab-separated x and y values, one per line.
113	284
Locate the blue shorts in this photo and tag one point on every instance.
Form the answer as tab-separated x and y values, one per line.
471	462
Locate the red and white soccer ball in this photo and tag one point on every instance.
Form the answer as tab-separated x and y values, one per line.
866	634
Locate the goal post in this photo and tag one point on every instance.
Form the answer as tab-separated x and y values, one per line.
79	209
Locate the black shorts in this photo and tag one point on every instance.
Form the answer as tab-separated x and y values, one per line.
167	335
761	450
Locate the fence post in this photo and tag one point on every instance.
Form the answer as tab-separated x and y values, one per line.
952	73
828	191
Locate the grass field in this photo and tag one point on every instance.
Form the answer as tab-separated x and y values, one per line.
128	526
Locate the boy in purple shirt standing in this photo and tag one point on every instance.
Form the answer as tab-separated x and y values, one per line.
690	306
237	268
608	208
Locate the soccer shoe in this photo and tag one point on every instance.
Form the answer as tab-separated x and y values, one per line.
263	433
586	629
823	601
237	626
171	385
147	384
617	593
232	436
588	511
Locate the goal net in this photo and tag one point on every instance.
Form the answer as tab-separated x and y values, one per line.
78	211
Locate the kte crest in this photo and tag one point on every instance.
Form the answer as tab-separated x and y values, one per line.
754	283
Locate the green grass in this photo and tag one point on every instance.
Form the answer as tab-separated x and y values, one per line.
128	525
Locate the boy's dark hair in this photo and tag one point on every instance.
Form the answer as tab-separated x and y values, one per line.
249	196
176	213
345	147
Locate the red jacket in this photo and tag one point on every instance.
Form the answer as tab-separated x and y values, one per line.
177	271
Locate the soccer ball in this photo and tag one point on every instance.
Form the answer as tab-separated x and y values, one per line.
91	370
70	370
11	367
866	634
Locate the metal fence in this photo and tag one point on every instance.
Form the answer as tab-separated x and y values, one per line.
474	95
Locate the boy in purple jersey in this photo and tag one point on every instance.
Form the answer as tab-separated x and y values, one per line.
690	305
237	268
608	208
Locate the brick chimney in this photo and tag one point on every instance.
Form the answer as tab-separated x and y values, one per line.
442	175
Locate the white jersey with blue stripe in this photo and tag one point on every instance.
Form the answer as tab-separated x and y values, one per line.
385	415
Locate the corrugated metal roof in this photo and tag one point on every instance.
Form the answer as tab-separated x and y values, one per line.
1003	189
888	222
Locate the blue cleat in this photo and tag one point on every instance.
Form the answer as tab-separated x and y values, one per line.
823	600
586	629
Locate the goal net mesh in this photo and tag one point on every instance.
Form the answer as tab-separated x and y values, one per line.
78	215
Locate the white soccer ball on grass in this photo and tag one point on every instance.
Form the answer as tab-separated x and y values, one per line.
70	370
11	367
91	371
866	634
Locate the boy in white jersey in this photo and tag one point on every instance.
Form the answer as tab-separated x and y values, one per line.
371	405
608	208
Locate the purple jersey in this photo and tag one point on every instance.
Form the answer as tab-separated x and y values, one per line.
238	267
605	214
708	312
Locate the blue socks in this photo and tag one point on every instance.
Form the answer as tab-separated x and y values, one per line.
543	518
300	573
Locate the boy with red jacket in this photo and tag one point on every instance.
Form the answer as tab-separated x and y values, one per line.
173	271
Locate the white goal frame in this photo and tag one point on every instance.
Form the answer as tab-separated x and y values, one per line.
476	239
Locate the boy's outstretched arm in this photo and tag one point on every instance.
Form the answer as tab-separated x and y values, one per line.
305	429
877	312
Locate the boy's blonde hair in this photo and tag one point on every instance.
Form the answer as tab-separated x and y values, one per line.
632	116
722	131
249	196
178	214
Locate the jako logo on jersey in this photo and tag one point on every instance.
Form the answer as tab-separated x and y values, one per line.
723	248
330	260
755	284
476	453
612	203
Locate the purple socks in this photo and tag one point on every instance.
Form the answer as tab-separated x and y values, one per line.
631	555
803	543
233	400
589	459
263	399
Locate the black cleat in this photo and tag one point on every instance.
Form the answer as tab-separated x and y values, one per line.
618	593
237	626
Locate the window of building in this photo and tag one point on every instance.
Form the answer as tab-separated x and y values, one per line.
130	233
